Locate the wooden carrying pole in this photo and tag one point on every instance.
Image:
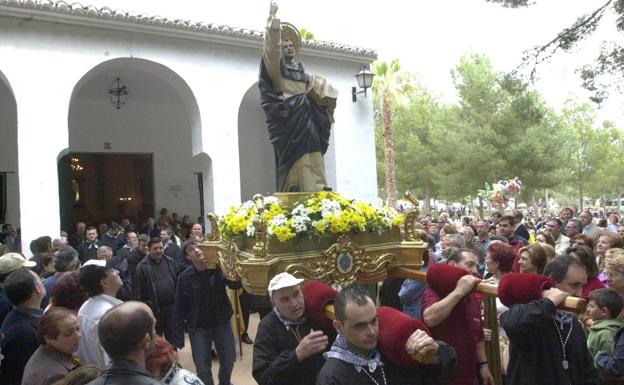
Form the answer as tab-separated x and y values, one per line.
425	356
573	304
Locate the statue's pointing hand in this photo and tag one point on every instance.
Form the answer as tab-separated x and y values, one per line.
273	9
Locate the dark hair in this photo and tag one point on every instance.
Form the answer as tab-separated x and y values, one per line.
68	293
49	323
577	223
187	244
556	220
608	298
166	228
497	214
128	234
449	229
588	259
568	209
507	218
351	293
457	254
153	240
504	254
65	259
518	215
19	285
90	279
143	238
121	330
557	268
43	244
92	228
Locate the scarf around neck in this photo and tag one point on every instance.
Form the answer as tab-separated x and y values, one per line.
340	350
287	323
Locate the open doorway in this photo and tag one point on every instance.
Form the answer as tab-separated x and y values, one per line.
101	187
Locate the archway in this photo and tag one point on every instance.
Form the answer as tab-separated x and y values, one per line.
157	132
9	174
255	152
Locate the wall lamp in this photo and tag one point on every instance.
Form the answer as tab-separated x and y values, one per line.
365	81
118	93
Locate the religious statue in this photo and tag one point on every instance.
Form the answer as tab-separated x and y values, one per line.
299	110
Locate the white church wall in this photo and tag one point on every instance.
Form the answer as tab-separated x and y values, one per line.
45	61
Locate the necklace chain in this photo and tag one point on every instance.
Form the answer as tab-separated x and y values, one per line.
564	343
383	376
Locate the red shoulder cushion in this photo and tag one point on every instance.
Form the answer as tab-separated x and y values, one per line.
520	288
316	295
395	328
443	278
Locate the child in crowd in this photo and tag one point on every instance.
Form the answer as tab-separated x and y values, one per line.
603	308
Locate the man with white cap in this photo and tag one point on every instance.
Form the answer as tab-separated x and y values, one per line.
287	349
10	262
101	282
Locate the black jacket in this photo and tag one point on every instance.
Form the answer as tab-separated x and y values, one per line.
145	284
188	299
274	358
125	372
536	356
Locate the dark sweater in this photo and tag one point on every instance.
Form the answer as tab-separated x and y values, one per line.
20	342
536	355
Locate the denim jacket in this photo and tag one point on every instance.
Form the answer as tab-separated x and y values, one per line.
188	301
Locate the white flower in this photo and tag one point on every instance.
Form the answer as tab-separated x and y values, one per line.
300	223
251	230
300	210
278	220
329	207
270	200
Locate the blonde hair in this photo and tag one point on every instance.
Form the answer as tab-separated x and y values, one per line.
615	259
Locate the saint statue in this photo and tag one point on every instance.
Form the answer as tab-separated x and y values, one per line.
299	110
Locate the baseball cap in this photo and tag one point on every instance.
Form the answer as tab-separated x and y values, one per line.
12	261
281	281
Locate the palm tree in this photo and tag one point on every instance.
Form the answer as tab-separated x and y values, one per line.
390	86
305	34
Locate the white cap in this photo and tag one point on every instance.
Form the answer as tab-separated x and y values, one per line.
281	281
96	262
12	261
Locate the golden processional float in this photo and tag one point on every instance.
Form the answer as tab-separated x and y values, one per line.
324	237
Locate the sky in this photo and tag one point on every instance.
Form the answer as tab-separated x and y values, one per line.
428	37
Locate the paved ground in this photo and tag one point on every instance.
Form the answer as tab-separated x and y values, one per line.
242	367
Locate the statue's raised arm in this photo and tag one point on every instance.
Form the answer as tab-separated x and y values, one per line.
299	109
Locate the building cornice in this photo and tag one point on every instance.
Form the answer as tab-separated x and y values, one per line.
119	20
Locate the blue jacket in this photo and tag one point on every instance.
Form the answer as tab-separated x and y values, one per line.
188	301
612	365
20	342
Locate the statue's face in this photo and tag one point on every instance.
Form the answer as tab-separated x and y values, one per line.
288	50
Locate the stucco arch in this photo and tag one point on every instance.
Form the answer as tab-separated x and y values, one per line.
9	154
256	155
160	119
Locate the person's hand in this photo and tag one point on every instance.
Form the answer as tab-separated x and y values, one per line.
466	284
487	333
486	376
418	340
313	343
555	295
273	9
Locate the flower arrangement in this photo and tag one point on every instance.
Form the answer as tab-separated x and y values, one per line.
321	215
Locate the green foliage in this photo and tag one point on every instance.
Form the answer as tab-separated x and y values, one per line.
305	34
607	64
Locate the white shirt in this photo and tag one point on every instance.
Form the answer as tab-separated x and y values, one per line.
90	350
561	244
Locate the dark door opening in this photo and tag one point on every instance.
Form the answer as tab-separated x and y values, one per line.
102	187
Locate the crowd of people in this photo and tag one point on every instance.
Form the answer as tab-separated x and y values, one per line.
112	305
